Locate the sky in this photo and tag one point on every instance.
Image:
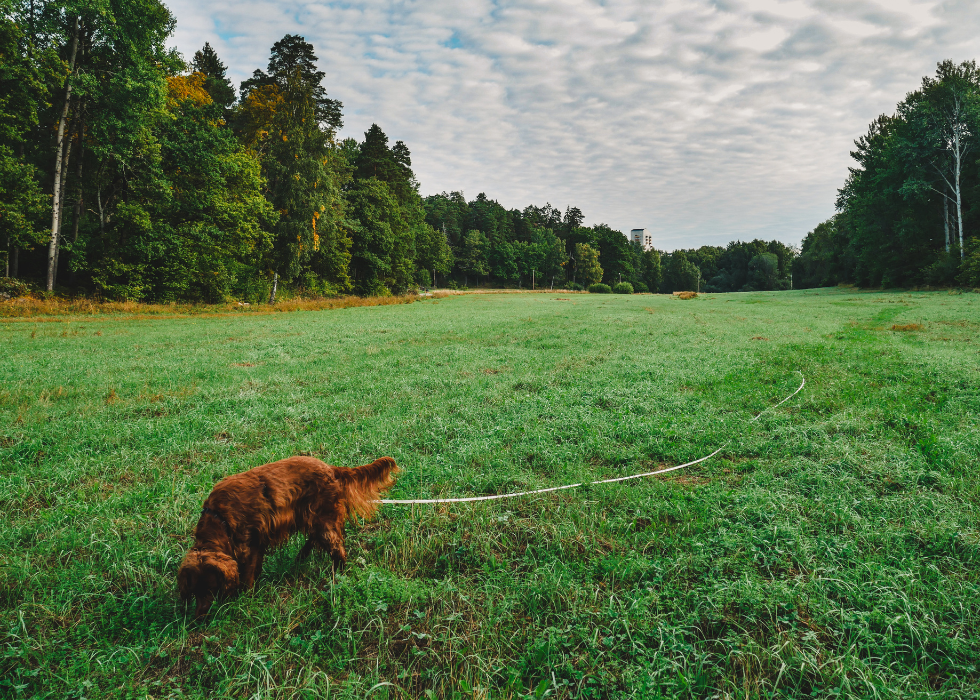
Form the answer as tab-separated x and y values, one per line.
703	121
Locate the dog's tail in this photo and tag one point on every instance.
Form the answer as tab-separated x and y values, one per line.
364	485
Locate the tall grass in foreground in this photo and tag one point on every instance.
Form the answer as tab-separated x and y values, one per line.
832	550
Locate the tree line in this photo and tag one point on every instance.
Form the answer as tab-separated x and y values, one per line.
908	212
518	246
130	173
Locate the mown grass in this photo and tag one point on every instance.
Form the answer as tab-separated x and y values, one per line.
832	550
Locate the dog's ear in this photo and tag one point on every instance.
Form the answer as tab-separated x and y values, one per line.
188	575
228	570
184	583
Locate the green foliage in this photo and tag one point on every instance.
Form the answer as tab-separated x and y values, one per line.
821	262
587	268
574	287
621	288
640	288
830	549
22	99
22	204
302	168
648	270
432	251
216	223
383	242
764	272
600	288
680	274
736	268
447	212
23	77
902	207
473	254
11	288
616	254
970	270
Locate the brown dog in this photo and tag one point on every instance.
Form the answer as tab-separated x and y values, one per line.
250	513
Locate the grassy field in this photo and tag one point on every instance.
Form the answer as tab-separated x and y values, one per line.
832	549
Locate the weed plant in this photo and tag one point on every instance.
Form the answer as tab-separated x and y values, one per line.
831	550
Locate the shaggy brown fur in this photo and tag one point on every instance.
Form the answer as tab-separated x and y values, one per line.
250	513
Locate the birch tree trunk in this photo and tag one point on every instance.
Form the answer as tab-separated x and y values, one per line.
61	200
946	221
959	197
78	198
275	286
58	165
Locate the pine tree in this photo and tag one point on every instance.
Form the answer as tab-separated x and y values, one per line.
217	85
302	166
390	165
291	55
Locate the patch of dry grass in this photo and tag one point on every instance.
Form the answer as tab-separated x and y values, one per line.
29	308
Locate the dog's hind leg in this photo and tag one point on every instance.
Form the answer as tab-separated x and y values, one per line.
332	542
335	545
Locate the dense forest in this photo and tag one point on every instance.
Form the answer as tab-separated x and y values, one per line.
127	172
908	212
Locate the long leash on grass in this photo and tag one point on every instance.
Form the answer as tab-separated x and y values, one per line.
418	501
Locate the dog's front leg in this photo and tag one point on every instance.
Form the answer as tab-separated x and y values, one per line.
307	548
258	564
250	568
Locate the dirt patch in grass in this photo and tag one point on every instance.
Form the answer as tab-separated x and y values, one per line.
907	327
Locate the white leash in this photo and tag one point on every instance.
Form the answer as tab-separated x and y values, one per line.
419	501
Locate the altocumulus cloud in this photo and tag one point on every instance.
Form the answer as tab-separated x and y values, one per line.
701	120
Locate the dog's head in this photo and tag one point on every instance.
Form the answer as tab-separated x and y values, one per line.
205	575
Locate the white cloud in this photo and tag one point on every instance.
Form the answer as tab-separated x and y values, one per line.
701	120
764	40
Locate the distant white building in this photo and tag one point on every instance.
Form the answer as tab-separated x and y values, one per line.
640	235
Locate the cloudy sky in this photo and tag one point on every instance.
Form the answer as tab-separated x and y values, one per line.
703	121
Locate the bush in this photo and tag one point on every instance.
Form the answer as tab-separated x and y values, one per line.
640	288
970	268
11	288
574	287
599	288
623	288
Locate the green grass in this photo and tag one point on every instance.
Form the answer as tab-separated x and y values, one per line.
833	549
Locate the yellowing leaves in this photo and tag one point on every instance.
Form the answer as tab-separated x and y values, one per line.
259	109
187	88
